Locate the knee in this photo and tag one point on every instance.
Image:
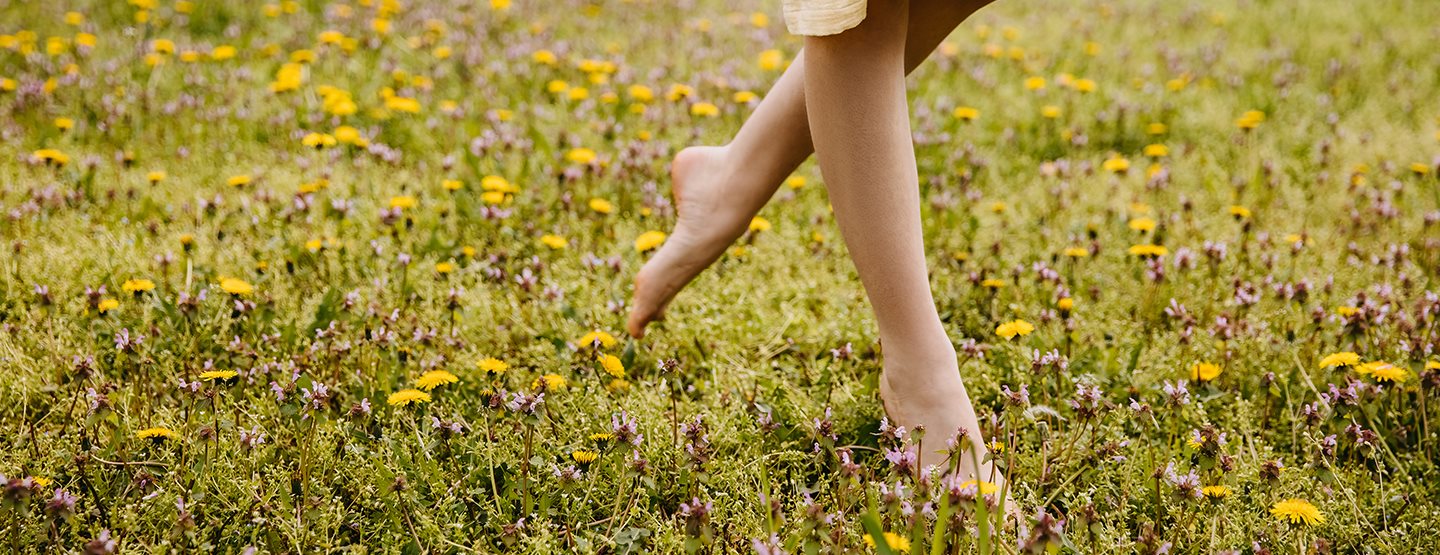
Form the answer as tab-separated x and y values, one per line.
883	29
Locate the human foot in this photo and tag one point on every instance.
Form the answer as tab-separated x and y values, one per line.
707	222
932	395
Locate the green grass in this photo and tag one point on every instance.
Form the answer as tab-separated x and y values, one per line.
1345	159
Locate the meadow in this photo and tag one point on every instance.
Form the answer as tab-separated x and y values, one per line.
352	276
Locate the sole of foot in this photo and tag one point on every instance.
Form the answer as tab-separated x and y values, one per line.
705	226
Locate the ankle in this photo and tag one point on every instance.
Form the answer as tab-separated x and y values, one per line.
927	346
923	377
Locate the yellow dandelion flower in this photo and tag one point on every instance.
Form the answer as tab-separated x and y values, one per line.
1157	150
649	240
771	60
52	156
1344	358
584	457
992	283
704	109
894	541
435	378
1382	371
318	140
1215	492
1009	330
544	57
222	53
1066	304
106	305
138	285
407	397
238	180
1076	252
498	184
640	93
758	224
555	242
403	202
1204	371
580	155
1239	212
981	486
606	340
157	434
236	286
403	104
492	365
218	375
288	78
1297	511
1142	225
162	46
601	206
551	382
1148	250
1250	120
1116	164
348	135
612	365
444	267
679	91
967	113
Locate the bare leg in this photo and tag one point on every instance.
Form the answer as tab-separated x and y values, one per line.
718	189
860	124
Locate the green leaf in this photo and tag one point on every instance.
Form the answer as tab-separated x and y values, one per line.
326	311
871	521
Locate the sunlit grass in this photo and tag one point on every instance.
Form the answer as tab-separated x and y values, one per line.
303	276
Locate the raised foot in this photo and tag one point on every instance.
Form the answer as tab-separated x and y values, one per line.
705	225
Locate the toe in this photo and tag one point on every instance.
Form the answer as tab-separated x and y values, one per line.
635	325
